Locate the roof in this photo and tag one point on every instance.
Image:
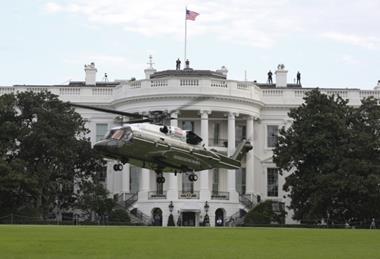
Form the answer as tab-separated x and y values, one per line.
274	86
188	72
77	84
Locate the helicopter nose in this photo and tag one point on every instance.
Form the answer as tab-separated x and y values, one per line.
105	146
100	146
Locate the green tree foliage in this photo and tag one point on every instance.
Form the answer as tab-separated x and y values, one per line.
332	151
44	153
119	216
264	213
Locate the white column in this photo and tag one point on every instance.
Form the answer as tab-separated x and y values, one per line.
231	175
110	175
250	157
125	179
205	193
172	193
144	184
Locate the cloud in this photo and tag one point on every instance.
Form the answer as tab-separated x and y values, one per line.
110	60
53	7
368	42
350	60
256	23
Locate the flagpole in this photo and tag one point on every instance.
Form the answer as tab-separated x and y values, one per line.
185	33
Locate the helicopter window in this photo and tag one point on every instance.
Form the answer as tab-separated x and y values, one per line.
128	133
164	129
119	134
110	133
192	138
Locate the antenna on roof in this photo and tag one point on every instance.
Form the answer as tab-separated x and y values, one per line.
150	63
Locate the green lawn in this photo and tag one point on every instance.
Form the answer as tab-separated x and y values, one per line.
215	243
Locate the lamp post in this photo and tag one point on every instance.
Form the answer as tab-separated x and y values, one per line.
171	207
171	218
206	220
206	207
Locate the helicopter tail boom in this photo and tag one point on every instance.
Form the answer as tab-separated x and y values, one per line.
243	148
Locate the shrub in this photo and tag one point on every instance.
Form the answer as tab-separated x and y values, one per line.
265	214
119	215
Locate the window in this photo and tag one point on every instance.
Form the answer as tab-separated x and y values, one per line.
241	180
160	188
272	182
240	132
216	133
187	185
134	177
101	130
272	135
215	180
188	125
102	174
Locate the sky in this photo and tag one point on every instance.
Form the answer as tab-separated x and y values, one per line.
333	43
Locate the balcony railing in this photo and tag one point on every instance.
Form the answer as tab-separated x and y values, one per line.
217	142
188	195
220	195
156	195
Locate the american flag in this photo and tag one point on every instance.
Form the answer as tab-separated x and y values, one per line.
191	15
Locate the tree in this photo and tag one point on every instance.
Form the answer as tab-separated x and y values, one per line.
119	216
45	153
93	198
332	152
264	213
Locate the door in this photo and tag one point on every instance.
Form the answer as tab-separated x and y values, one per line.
188	219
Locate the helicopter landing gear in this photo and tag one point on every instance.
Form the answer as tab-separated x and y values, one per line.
118	167
193	177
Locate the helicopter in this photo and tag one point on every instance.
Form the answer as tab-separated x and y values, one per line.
148	142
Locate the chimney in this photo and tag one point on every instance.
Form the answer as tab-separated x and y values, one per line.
90	74
150	70
223	70
281	76
378	86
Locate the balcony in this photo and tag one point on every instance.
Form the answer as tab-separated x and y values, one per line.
220	195
156	195
219	142
188	195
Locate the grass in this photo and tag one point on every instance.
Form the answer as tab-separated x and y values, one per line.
148	242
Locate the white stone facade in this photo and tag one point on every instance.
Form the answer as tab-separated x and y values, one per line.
232	108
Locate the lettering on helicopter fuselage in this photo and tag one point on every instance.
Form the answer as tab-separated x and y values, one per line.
188	160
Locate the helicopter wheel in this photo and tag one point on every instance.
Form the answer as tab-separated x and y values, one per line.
118	167
160	179
193	178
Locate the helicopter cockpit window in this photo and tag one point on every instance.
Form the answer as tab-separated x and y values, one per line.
118	134
164	129
122	134
192	138
110	133
128	134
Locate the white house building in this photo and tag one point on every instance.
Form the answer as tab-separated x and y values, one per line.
233	110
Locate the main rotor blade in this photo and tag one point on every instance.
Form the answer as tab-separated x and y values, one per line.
196	100
138	121
128	114
209	119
